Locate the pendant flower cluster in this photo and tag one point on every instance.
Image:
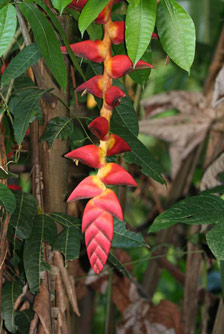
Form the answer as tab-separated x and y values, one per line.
97	221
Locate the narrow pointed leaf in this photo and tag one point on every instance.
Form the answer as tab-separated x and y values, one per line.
21	62
10	292
68	243
58	127
65	220
124	238
23	216
62	33
215	240
141	76
26	109
90	13
203	209
140	22
8	23
116	263
176	32
47	41
44	229
7	198
22	321
60	4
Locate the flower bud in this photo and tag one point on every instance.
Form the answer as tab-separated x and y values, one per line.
93	50
100	127
113	96
120	65
93	86
113	174
90	187
116	32
90	155
117	145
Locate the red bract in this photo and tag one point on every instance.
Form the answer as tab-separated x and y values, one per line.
93	86
113	96
104	15
90	187
117	145
93	50
90	155
116	32
100	127
77	4
120	65
113	174
14	187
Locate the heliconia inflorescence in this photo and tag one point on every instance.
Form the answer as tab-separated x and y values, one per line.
97	221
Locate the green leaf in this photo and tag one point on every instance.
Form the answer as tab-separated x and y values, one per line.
215	190
6	175
68	243
44	229
47	41
176	32
124	238
23	216
23	319
3	3
24	112
8	22
65	220
90	12
141	76
60	4
62	33
58	127
21	62
10	292
7	198
139	155
140	23
95	31
203	209
116	263
215	240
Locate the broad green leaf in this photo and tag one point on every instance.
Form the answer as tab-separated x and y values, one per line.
10	292
62	33
215	240
22	321
60	4
116	263
47	41
3	3
90	12
7	198
139	155
25	111
58	127
141	76
95	31
140	23
6	175
44	229
65	220
68	243
215	190
126	239
8	22
203	209
21	62
176	32
24	214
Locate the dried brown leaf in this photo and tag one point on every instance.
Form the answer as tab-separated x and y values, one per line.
42	308
210	178
218	94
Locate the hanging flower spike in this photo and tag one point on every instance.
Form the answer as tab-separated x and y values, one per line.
120	65
100	127
93	50
97	220
90	155
93	86
116	32
113	174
